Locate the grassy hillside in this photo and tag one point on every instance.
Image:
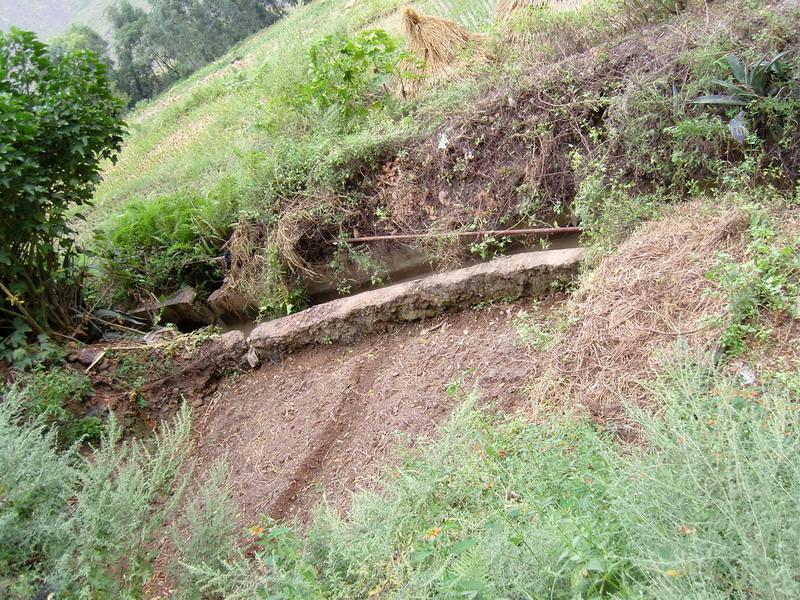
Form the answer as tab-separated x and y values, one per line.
200	130
237	139
540	122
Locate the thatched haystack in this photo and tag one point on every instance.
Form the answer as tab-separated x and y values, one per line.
438	43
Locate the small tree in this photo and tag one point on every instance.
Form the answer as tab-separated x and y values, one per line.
80	37
134	59
58	121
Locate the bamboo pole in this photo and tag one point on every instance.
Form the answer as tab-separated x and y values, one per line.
466	234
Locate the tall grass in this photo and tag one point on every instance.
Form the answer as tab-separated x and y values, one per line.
83	527
710	509
476	15
170	241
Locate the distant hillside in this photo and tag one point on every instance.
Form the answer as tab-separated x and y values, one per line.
51	17
93	13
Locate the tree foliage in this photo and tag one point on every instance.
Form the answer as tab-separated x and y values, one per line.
177	37
58	121
80	37
134	75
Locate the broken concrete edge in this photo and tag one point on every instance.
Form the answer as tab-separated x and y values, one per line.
347	319
183	309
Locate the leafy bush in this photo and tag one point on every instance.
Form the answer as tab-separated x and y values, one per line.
763	79
52	396
20	354
607	209
58	121
156	246
83	527
206	534
350	74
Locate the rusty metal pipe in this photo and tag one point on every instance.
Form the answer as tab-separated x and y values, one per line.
466	234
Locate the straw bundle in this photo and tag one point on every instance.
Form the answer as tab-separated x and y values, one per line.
437	43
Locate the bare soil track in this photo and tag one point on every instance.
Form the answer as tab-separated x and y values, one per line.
326	420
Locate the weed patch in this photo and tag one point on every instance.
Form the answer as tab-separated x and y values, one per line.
155	246
78	526
768	280
53	396
709	508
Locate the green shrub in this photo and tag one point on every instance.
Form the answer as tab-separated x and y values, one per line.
58	121
609	210
710	508
53	396
206	533
83	527
350	74
36	482
22	355
159	245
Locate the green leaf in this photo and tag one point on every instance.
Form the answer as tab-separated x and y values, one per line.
737	69
720	99
421	555
597	565
462	546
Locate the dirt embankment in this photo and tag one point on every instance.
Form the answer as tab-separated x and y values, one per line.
326	420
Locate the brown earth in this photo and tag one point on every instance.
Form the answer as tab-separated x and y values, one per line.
327	420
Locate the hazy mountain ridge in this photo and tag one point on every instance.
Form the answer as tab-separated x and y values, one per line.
51	17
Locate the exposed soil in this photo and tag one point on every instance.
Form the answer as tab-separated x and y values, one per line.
145	384
326	420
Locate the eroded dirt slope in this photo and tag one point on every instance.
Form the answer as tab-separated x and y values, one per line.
330	418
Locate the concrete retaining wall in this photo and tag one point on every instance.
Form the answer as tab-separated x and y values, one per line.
345	319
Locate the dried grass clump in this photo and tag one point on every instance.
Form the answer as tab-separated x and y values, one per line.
652	292
519	23
243	249
301	233
509	8
438	43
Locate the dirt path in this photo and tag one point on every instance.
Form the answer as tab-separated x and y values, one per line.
327	419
